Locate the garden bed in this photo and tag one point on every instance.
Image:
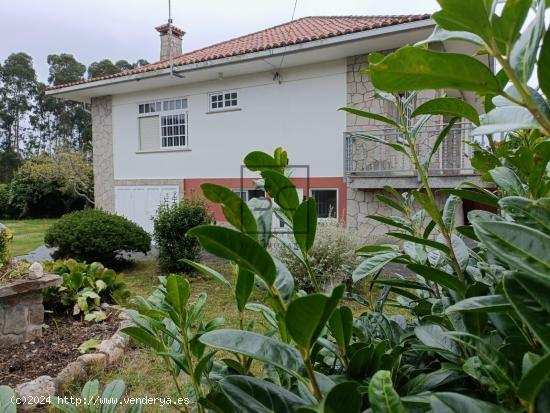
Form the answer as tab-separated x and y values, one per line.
49	354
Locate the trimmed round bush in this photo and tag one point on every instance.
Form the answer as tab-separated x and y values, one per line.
171	223
95	235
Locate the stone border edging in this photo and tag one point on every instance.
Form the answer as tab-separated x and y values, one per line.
108	353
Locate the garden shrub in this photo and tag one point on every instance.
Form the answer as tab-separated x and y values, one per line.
333	256
4	198
95	235
171	223
85	287
5	238
51	185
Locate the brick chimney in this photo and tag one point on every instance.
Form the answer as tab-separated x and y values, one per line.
177	35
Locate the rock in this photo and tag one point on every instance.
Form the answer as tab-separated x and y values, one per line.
112	348
72	372
41	387
36	271
98	360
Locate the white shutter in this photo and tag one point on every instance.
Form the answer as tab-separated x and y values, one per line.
149	133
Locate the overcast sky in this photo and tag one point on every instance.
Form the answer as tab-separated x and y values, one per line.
124	29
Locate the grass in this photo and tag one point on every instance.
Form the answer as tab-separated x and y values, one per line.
28	234
143	371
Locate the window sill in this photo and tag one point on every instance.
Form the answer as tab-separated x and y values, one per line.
223	111
164	150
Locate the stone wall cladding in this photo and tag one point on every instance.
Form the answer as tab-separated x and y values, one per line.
368	156
102	140
21	318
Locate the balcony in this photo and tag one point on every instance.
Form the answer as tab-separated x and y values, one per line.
372	165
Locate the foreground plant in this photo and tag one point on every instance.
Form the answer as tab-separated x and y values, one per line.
476	333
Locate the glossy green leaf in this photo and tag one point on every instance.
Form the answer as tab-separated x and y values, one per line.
434	336
238	247
440	277
441	35
234	208
428	242
475	196
412	68
521	247
307	316
533	379
524	211
499	365
282	190
6	396
402	283
523	55
112	392
259	161
449	211
374	116
262	209
343	398
341	326
284	281
243	287
530	297
370	249
507	26
464	15
483	304
373	264
425	202
448	106
177	292
393	221
251	395
143	337
257	346
382	396
392	203
543	65
507	180
504	119
305	224
458	403
208	271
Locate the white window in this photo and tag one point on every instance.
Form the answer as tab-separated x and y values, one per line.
223	100
163	124
327	202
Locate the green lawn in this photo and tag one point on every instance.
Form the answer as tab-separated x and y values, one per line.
28	234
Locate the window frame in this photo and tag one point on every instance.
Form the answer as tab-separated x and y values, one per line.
224	108
184	110
337	211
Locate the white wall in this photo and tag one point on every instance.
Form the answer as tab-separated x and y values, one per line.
300	114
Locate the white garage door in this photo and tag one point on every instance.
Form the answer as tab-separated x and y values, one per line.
140	203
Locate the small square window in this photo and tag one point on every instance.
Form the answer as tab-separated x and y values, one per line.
326	200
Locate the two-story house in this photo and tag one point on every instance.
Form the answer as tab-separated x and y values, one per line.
163	129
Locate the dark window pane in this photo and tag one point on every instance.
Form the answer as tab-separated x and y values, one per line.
255	193
234	95
326	202
234	102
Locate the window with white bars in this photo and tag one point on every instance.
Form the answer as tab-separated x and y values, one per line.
163	124
173	130
223	100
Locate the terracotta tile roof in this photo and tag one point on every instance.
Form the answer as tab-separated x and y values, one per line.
298	31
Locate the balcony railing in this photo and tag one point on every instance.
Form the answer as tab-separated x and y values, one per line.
364	158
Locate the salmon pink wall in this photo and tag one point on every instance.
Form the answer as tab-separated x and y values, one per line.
192	186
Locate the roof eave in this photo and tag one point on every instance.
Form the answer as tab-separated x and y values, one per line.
330	41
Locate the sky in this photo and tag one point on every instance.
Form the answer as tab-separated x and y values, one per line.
124	29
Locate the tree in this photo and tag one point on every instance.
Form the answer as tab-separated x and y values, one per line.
106	67
102	68
64	68
17	91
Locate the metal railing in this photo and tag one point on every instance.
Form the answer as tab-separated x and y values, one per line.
370	159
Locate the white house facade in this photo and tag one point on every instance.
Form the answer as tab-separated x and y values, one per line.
161	130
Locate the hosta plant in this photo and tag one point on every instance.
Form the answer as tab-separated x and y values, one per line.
85	287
